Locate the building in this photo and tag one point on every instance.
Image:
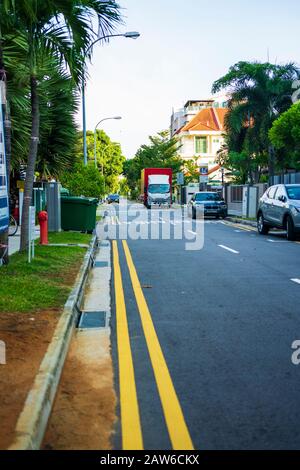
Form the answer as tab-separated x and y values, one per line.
199	127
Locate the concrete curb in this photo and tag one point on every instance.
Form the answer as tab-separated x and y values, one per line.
32	422
237	220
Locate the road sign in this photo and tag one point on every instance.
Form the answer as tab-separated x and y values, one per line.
203	170
180	179
4	205
31	233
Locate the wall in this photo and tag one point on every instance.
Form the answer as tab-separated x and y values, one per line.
241	202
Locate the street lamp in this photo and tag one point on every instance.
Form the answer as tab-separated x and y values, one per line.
128	34
95	137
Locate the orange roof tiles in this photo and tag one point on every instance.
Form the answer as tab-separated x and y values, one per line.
208	119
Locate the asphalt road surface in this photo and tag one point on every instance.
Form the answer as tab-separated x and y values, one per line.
202	339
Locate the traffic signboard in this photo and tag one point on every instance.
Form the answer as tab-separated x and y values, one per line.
180	179
203	170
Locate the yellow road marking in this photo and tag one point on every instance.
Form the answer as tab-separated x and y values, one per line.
177	428
241	227
130	418
247	228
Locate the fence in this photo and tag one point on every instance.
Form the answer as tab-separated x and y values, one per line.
242	200
287	178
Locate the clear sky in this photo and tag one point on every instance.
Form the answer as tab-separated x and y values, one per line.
184	46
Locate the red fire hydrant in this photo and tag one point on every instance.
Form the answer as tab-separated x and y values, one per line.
43	221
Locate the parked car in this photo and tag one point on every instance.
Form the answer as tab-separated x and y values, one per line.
280	207
211	203
113	198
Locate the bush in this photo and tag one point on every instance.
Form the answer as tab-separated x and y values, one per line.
84	181
134	195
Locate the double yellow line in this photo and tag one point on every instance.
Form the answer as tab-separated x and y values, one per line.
246	228
130	419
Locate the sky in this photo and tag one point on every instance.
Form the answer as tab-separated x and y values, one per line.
185	45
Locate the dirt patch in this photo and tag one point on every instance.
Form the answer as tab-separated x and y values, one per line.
26	338
83	416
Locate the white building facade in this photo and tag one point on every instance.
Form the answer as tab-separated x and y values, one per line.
199	127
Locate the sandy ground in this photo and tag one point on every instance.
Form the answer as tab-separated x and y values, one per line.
84	412
26	337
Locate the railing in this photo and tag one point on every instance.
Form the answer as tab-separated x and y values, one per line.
288	178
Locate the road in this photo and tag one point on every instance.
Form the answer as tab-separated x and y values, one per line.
201	340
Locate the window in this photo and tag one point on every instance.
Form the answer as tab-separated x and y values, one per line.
208	197
294	192
2	180
201	144
271	192
280	192
158	188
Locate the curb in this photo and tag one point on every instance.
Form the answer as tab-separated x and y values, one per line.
237	220
32	422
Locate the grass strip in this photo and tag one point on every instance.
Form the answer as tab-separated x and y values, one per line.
47	281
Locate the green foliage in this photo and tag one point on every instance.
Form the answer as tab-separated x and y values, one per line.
285	136
191	171
58	133
259	93
50	40
58	104
160	153
83	181
123	187
109	157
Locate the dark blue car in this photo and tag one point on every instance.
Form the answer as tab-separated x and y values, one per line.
113	198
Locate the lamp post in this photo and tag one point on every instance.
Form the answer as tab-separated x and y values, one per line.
130	35
95	138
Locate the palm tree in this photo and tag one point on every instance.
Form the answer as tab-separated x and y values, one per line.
259	93
58	132
60	29
5	24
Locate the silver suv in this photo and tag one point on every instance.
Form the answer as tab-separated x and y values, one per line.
280	207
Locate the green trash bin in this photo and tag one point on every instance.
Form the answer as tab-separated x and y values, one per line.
78	213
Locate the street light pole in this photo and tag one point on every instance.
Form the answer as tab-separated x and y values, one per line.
95	138
84	125
129	34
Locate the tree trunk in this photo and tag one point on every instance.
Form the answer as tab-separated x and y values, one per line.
33	148
4	235
271	164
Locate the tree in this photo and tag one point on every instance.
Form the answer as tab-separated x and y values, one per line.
58	131
162	152
259	93
58	104
109	157
63	30
83	181
123	187
285	136
191	171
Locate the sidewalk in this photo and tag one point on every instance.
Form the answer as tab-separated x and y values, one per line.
14	242
89	362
